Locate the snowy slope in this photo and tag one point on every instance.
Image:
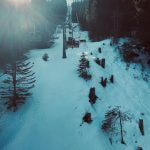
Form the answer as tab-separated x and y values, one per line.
52	117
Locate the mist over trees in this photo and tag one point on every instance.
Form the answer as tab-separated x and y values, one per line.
117	18
27	26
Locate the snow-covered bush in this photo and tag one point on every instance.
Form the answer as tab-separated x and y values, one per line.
113	123
83	68
45	57
92	96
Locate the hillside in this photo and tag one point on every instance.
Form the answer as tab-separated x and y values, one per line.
52	117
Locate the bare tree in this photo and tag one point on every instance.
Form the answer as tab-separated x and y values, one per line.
113	123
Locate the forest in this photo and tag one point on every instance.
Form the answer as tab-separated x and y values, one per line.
114	18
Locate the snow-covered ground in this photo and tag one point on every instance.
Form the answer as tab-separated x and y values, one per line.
51	119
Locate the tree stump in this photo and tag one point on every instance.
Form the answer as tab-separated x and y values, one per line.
139	148
87	118
92	96
98	61
112	79
103	82
100	50
87	64
103	63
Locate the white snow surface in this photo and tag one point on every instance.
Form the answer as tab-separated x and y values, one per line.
51	119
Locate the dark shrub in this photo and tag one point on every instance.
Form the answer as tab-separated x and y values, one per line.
87	118
112	79
103	82
45	57
99	50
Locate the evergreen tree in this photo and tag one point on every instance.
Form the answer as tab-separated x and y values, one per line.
105	18
143	17
16	88
83	68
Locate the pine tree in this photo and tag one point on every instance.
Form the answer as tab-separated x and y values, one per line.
83	68
143	17
105	18
16	88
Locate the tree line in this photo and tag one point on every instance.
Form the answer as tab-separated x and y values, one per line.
114	18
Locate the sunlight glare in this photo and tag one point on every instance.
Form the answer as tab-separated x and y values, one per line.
18	3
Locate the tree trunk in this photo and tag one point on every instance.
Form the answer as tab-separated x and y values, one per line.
64	41
121	128
141	126
14	76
